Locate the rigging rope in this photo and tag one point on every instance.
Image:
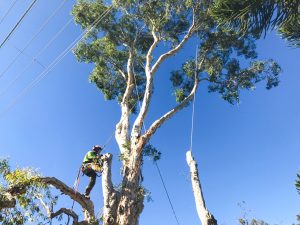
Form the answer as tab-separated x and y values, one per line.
194	100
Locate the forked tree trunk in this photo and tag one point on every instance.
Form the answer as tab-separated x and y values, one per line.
205	216
124	206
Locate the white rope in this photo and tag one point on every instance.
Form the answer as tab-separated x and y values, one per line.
194	100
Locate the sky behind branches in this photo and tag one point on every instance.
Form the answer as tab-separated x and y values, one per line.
249	152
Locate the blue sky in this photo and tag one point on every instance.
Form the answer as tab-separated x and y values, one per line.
248	152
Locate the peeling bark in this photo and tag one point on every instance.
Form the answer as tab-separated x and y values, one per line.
110	195
205	216
131	201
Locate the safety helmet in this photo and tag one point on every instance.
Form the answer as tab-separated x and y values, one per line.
97	148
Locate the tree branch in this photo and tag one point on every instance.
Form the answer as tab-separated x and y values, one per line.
76	196
68	212
156	124
117	67
123	125
148	89
173	51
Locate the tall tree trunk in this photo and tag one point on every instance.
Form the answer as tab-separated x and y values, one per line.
110	195
205	216
124	206
131	201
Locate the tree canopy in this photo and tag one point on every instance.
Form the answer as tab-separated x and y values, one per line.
130	28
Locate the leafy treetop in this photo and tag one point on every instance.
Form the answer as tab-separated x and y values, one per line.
129	29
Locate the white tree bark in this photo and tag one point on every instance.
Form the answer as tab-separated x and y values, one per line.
110	195
205	216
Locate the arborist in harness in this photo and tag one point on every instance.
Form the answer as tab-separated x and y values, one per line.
92	164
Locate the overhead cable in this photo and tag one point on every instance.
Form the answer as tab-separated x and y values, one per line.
33	38
56	61
18	23
8	11
17	77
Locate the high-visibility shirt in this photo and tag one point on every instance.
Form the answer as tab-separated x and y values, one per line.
90	156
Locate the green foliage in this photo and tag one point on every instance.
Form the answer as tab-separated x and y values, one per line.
127	28
252	222
244	220
4	167
24	184
297	184
257	16
221	68
151	152
144	193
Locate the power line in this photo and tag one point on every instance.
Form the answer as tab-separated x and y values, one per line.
167	193
21	51
33	38
56	61
35	58
8	11
18	23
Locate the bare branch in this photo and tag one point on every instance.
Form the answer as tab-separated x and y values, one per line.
123	125
156	124
47	209
148	89
76	196
68	212
173	51
150	52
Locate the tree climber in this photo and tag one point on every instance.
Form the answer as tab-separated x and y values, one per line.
92	163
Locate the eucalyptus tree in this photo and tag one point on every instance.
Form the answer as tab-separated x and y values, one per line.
259	16
122	45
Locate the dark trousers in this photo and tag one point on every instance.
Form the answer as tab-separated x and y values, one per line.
93	176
